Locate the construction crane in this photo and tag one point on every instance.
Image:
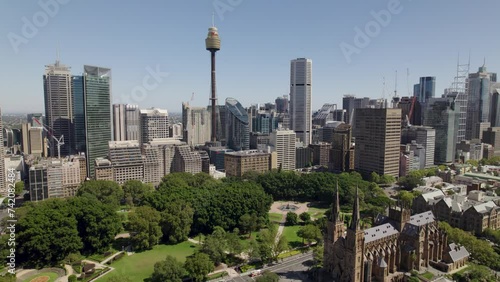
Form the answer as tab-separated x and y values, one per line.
50	131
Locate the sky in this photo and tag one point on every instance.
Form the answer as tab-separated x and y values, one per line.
158	47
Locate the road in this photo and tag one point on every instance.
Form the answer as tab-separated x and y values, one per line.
291	269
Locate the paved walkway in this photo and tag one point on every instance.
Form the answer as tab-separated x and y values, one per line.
69	272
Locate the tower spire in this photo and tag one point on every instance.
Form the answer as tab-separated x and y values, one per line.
355	212
213	19
336	205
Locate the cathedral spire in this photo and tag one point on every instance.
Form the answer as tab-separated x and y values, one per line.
336	205
355	213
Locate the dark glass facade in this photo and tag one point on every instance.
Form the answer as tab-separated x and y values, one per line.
79	113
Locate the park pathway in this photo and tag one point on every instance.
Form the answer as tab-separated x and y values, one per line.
281	227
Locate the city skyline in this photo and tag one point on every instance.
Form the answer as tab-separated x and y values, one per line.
148	55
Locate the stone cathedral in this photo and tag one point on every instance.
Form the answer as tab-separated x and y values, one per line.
397	244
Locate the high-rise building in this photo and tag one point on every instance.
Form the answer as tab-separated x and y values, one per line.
443	115
126	119
282	104
301	99
38	116
154	124
3	179
426	89
196	125
324	115
78	93
36	142
495	105
153	161
238	163
283	143
126	159
103	169
492	136
59	106
423	135
38	186
350	103
342	152
237	127
378	136
186	160
321	153
411	110
175	130
97	105
478	104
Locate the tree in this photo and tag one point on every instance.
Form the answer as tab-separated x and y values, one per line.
411	181
475	273
305	217
198	266
270	245
72	278
291	219
233	242
176	221
387	179
406	197
19	188
309	233
136	190
374	177
169	269
268	276
97	225
215	245
144	222
318	256
253	250
108	192
46	233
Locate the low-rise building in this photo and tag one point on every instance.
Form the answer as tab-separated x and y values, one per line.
238	163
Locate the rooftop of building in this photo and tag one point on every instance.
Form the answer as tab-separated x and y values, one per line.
247	153
457	252
123	144
154	111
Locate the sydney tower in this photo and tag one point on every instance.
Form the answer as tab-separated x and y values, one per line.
213	45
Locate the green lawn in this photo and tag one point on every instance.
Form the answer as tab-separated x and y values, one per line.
316	212
139	266
275	217
53	276
290	233
428	275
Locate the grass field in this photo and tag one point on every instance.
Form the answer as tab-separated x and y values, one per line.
275	217
316	212
290	233
140	266
52	275
428	275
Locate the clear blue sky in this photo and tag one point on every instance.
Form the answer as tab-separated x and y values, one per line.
259	38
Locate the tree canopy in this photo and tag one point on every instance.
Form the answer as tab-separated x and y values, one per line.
108	192
169	269
144	223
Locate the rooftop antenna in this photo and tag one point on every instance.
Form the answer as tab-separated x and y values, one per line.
57	55
383	89
396	85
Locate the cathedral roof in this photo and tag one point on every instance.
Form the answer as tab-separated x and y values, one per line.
422	218
381	262
379	232
457	252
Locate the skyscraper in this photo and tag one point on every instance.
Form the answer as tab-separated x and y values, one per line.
126	122
3	181
97	103
59	106
237	128
283	142
126	160
77	88
426	89
378	136
196	125
444	116
282	104
478	105
154	124
300	98
423	135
